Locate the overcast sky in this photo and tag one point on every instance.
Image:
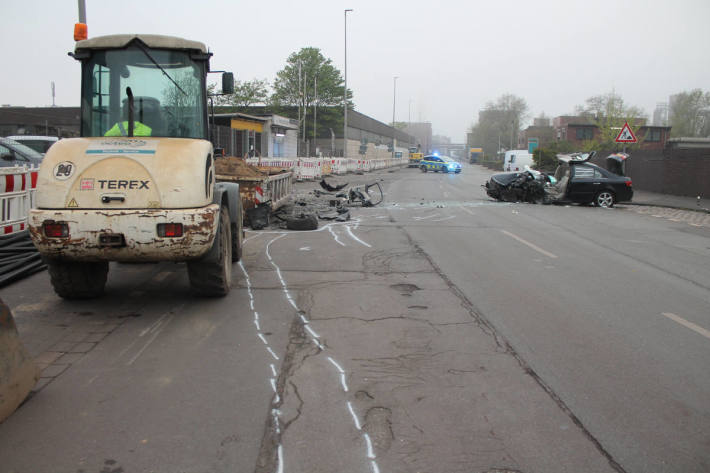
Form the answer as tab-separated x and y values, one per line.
451	57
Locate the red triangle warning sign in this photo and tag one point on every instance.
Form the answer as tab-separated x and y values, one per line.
626	135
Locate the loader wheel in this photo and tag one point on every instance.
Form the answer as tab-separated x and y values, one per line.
78	280
211	275
238	236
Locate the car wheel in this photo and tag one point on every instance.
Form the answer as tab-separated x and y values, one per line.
423	168
604	199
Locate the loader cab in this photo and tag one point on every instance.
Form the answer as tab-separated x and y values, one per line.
143	85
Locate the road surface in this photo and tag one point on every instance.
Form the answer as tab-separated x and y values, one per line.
437	332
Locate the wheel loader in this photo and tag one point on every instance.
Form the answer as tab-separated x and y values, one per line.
138	185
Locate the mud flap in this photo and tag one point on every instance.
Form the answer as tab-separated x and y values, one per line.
18	373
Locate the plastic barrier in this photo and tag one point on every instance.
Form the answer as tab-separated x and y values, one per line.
17	196
338	166
308	168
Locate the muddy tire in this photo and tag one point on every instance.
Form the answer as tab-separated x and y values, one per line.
211	275
302	222
605	199
78	280
237	237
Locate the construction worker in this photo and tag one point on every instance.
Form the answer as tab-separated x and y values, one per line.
121	129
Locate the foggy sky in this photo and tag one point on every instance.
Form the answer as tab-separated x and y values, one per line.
451	57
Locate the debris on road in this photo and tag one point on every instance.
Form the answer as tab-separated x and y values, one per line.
330	188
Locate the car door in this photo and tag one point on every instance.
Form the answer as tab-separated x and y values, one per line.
434	163
584	184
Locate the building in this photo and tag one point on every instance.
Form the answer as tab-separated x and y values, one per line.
43	121
422	133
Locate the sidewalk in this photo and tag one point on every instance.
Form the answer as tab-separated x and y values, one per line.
671	201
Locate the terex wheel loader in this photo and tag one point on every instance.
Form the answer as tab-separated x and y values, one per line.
139	184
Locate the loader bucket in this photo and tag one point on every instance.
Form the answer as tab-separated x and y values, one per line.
18	373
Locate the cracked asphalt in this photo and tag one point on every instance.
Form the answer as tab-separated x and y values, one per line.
417	337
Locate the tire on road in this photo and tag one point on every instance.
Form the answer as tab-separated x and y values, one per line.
211	275
605	199
423	168
78	279
302	222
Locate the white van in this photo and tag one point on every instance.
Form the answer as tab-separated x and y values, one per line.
516	159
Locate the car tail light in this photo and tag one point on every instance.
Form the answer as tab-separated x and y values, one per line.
170	230
56	230
628	183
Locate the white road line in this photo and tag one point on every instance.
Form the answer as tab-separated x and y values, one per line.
695	328
524	242
355	419
424	218
466	210
444	219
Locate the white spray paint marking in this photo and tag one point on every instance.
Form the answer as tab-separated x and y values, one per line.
531	245
343	382
335	363
337	240
305	248
272	380
695	328
375	468
350	232
272	353
444	219
312	332
370	452
303	319
355	419
426	217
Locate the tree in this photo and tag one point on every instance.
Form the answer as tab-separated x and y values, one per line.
609	113
690	114
246	93
499	123
309	79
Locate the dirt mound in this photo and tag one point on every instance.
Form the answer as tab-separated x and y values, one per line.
233	166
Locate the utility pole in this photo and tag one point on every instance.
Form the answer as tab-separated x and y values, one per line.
394	128
345	89
315	108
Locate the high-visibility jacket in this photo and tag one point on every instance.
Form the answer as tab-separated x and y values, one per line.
121	129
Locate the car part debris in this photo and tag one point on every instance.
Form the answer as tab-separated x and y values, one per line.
343	217
302	222
259	216
330	188
361	195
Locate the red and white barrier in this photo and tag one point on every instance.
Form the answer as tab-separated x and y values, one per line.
17	192
309	168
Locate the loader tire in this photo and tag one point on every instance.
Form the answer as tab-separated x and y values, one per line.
78	280
211	275
237	237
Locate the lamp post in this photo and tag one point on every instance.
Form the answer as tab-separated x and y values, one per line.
394	128
345	89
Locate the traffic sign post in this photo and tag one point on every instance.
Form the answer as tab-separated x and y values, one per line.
626	135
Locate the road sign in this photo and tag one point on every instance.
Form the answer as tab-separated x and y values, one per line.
626	135
532	144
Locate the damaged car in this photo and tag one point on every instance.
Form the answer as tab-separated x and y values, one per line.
576	180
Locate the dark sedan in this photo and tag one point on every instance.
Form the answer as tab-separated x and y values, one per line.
13	153
575	180
583	182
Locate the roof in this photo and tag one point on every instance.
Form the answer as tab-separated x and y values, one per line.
119	41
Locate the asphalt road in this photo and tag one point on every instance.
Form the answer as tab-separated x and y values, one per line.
438	332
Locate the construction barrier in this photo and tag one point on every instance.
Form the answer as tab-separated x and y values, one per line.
338	165
17	195
309	168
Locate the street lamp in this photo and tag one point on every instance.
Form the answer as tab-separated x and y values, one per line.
394	128
345	89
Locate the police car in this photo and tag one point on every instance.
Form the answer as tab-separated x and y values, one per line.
439	163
